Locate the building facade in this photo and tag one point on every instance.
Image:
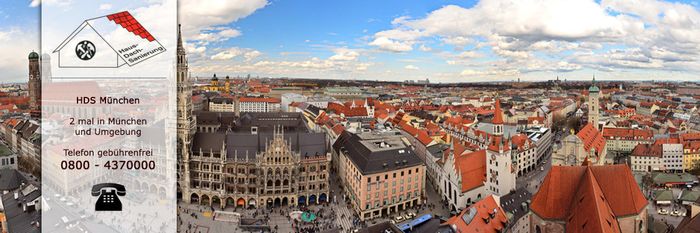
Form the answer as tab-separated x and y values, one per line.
222	104
380	172
256	104
647	158
258	159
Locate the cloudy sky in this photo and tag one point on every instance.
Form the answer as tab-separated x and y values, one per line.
445	41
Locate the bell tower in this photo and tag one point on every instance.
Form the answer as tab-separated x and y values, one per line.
593	104
34	84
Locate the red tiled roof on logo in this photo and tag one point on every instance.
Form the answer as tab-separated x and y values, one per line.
129	23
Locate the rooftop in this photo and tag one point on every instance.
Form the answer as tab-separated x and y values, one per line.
578	194
484	216
374	152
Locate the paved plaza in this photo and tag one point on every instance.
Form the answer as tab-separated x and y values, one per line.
195	218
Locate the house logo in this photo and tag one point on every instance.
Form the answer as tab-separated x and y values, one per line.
108	41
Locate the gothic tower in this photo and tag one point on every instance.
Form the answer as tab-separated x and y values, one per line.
500	165
593	104
34	84
185	120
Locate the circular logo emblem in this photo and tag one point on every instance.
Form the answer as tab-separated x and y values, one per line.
85	50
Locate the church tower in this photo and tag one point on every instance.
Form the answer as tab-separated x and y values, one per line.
185	120
227	85
593	104
500	165
34	84
214	83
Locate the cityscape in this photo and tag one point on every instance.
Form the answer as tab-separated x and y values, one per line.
402	117
298	155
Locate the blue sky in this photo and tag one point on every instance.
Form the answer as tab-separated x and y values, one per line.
445	41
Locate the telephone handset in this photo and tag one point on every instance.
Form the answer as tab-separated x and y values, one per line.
108	200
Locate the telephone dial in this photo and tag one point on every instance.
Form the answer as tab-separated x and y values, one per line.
109	196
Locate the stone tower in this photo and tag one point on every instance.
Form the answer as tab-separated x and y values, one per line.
593	104
500	165
185	120
34	84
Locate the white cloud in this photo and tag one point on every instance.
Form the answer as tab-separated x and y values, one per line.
197	15
425	48
230	53
492	72
105	6
387	44
16	45
344	54
219	34
252	55
667	34
411	67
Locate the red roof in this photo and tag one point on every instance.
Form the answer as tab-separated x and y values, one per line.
564	186
648	150
338	129
531	120
592	139
498	143
686	137
520	140
485	209
627	134
129	23
472	168
497	113
347	110
423	137
593	213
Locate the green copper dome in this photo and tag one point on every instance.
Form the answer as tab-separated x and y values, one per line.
593	88
33	55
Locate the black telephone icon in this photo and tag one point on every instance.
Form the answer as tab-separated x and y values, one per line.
108	200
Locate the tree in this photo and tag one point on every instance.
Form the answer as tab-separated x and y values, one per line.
573	123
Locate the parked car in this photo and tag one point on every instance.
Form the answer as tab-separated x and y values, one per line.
399	218
663	211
